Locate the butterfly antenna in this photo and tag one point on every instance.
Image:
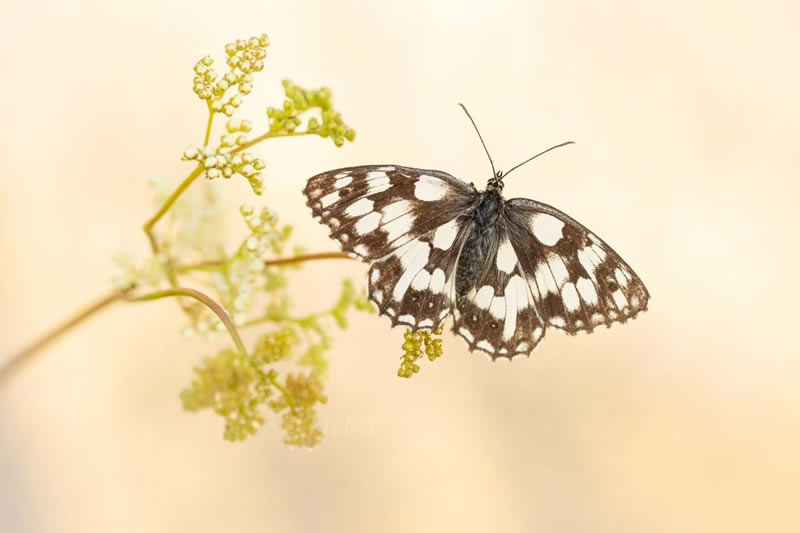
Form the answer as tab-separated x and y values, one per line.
494	172
537	155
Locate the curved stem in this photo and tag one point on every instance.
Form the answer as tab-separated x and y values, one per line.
26	354
148	226
207	301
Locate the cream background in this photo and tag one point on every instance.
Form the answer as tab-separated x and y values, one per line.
686	121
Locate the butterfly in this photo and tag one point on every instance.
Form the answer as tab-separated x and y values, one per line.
507	270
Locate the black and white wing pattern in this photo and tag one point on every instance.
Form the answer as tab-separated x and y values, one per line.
541	268
507	270
500	315
577	280
409	223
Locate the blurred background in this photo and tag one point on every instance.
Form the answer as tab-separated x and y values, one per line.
685	116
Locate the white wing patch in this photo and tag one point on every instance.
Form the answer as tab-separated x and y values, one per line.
368	223
359	207
445	234
483	298
547	228
429	188
506	257
570	295
587	291
437	280
329	199
413	260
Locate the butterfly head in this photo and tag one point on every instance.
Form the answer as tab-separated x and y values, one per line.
496	182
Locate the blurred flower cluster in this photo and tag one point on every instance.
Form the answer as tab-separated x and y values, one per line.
229	289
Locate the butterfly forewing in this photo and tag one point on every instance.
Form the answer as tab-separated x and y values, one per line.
374	210
580	282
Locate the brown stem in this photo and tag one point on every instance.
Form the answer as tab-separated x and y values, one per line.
26	355
307	257
208	301
214	265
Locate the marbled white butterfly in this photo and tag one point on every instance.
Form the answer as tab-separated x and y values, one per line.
506	269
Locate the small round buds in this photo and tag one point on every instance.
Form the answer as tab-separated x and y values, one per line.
244	57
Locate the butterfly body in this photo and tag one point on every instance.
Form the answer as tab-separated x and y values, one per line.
507	270
481	236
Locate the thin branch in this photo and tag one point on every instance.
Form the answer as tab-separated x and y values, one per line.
208	125
208	301
216	265
148	226
268	135
26	355
307	257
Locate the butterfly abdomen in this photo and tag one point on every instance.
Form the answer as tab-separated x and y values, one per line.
472	262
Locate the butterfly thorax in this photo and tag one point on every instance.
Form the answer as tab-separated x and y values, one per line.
483	232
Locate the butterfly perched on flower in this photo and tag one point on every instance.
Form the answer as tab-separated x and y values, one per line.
506	269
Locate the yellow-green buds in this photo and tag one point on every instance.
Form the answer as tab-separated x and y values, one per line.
415	343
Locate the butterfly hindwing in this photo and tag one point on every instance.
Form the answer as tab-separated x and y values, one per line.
499	315
580	282
414	285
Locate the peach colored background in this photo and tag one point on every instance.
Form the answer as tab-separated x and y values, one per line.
686	119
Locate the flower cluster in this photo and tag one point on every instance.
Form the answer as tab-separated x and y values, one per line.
244	58
286	120
216	163
283	370
148	272
417	342
238	386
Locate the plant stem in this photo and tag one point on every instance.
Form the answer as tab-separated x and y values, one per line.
25	355
282	389
307	257
216	265
210	303
265	136
208	126
148	226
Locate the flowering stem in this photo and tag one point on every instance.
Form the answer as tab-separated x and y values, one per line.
148	226
25	355
210	303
